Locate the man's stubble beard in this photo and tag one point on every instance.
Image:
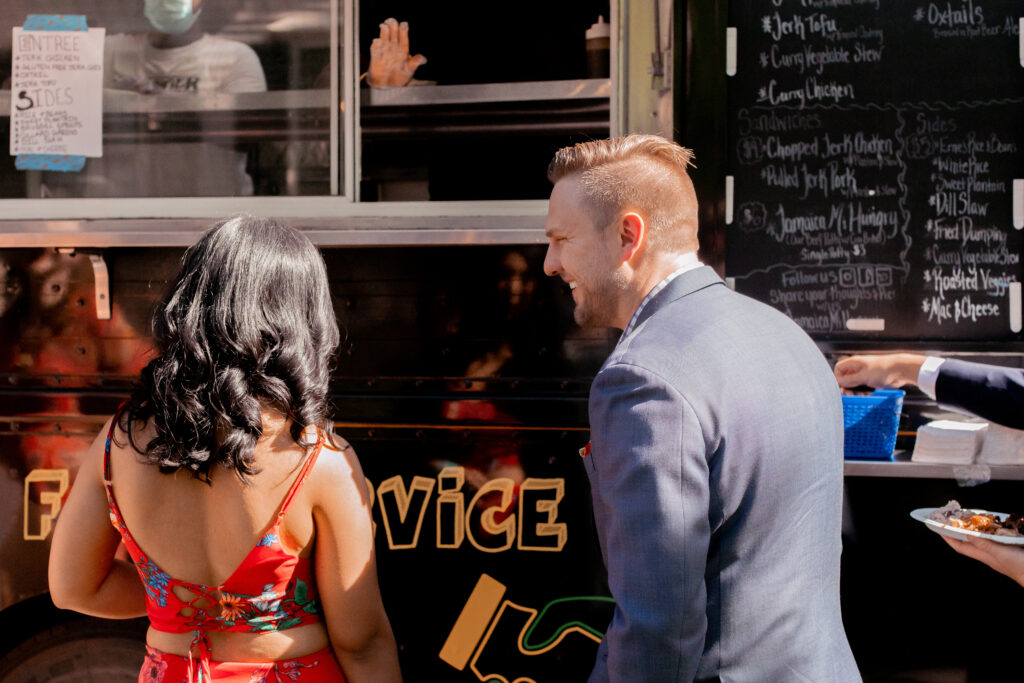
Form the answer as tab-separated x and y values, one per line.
599	306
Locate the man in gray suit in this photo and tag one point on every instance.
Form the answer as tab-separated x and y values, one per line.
716	455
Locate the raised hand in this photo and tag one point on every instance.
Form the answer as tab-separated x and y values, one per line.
390	62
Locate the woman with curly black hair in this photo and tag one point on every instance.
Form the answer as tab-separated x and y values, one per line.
246	518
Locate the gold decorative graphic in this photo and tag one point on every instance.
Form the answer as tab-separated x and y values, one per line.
393	490
485	610
39	479
469	627
541	497
532	520
488	518
451	498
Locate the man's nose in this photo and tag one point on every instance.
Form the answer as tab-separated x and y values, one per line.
551	265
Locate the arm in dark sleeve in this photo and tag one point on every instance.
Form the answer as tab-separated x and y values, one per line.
989	391
652	486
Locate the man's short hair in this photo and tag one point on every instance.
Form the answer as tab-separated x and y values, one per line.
642	173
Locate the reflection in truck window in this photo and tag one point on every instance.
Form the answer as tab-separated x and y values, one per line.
176	56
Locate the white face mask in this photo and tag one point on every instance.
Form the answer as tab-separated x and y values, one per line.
170	16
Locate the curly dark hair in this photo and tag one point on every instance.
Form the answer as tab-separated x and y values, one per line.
246	323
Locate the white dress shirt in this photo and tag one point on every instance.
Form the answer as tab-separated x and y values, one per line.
928	374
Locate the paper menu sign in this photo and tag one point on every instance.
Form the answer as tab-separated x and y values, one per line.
57	92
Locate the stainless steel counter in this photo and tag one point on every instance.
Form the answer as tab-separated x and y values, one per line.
901	466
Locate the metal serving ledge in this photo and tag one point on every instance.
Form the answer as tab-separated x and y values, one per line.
328	221
901	466
128	102
477	93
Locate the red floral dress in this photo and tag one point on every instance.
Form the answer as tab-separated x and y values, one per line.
270	590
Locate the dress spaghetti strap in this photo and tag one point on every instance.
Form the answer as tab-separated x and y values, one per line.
307	467
106	448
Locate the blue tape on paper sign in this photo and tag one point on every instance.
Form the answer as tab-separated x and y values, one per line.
69	163
55	22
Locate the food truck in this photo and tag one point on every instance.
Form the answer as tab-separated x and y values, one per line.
846	153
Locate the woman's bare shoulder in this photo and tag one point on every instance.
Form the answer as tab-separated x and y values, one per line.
336	457
337	466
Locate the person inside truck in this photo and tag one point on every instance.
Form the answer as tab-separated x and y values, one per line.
991	392
177	56
222	465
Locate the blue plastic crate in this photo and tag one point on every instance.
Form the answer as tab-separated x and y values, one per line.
870	424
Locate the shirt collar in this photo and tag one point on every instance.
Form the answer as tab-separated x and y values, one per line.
685	263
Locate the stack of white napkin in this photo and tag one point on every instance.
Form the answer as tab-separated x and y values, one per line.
949	441
1003	446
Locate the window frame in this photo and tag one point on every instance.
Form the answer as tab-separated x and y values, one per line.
337	219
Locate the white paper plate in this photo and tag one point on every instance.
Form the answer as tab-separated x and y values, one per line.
921	515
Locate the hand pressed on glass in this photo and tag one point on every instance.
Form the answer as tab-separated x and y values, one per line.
390	62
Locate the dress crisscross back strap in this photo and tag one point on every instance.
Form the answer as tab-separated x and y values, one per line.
271	589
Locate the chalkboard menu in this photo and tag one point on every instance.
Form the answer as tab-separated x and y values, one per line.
876	148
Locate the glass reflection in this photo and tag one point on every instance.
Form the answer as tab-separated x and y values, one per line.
505	83
202	98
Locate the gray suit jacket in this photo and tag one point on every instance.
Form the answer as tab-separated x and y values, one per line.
716	470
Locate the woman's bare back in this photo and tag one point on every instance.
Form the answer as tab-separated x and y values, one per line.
200	533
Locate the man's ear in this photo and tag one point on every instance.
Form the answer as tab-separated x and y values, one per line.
632	234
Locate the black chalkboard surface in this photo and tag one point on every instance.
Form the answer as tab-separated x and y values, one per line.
875	146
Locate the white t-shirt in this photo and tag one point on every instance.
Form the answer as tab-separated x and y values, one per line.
210	64
168	167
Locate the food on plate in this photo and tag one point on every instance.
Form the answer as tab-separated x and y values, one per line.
951	514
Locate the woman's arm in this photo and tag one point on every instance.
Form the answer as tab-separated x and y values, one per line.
84	575
1005	559
346	572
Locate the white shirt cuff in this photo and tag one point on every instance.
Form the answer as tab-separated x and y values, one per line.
928	374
